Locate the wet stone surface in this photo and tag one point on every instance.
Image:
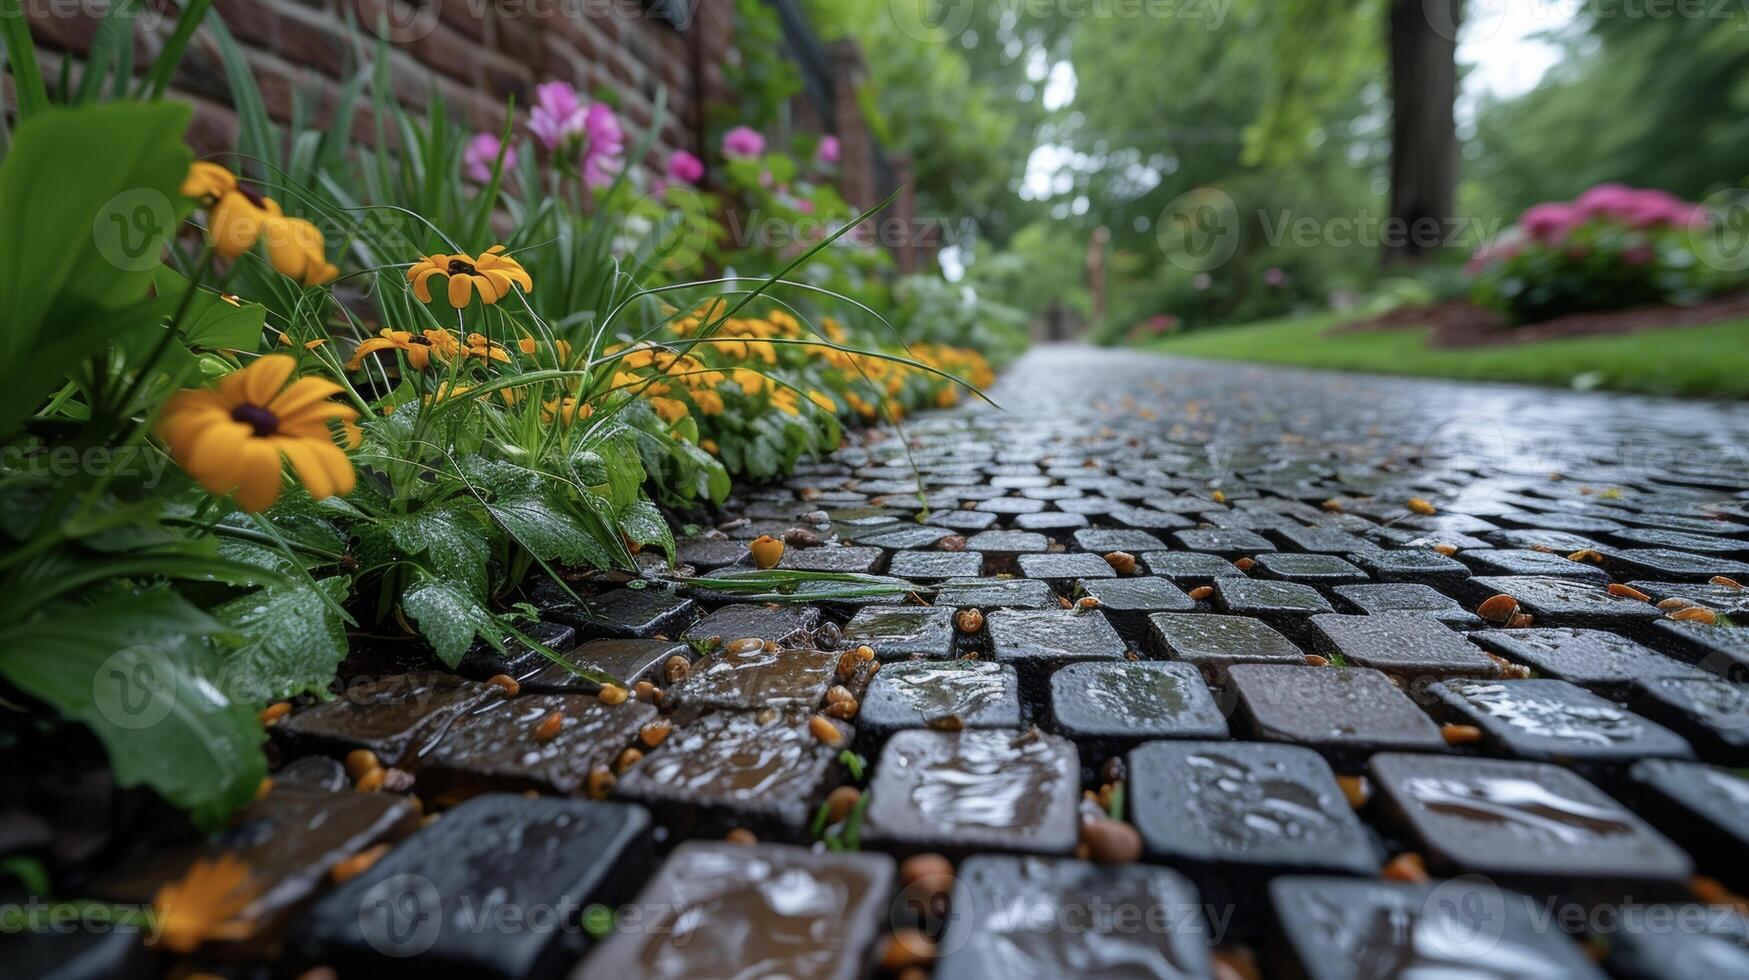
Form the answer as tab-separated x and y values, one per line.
1302	544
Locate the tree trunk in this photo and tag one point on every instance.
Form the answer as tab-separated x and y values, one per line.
1424	151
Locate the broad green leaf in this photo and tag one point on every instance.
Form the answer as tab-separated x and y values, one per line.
451	540
645	525
131	667
450	618
212	323
90	197
292	640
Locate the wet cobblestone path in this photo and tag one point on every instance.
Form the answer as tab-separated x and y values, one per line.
1209	670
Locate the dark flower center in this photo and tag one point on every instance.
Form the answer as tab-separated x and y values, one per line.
459	268
264	422
420	340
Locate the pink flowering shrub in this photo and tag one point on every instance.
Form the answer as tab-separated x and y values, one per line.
1614	247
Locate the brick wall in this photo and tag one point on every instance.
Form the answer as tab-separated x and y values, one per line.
477	53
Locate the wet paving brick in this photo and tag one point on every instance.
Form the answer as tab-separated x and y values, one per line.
1214	643
903	632
956	793
635	613
1712	714
1705	807
716	909
1332	927
1406	597
738	679
1559	602
494	748
1714	941
630	661
1050	522
1673	566
857	560
1103	541
1408	647
424	898
395	717
935	566
1421	565
1554	721
1037	642
1187	568
1594	659
709	554
1527	825
736	769
1062	570
944	694
1128	602
1107	708
1309	569
1012	926
993	593
517	659
1728	600
1507	561
1345	713
741	620
1226	542
1001	548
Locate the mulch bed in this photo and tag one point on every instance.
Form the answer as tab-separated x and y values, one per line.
1460	323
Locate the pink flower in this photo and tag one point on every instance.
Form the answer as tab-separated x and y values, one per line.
557	114
685	167
829	150
482	153
1606	200
1273	276
603	129
743	141
1552	221
601	169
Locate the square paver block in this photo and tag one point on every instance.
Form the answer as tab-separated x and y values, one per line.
862	561
1050	521
935	566
1715	648
629	661
416	912
1037	642
394	716
710	554
736	769
1128	602
1713	714
1423	565
1674	566
1321	540
995	593
945	694
1269	599
904	536
1334	926
1061	570
1527	825
1346	713
1233	812
1189	568
1226	542
902	632
635	613
1214	643
1505	561
1408	597
1015	928
1001	548
493	748
1108	707
517	660
976	790
1554	721
750	680
1148	519
1103	540
1309	569
785	625
1409	647
1589	658
1706	807
769	910
1559	602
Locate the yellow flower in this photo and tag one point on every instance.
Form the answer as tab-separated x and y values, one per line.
833	330
295	248
823	400
419	348
236	220
202	903
492	274
708	402
751	382
239	218
479	346
566	409
785	400
234	435
208	181
708	445
672	410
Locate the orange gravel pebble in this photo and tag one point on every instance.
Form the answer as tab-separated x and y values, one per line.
1695	614
1087	602
1627	592
1121	562
1499	609
612	694
1111	841
1729	583
371	781
1218	497
357	864
1332	505
1313	660
1520	621
628	758
1358	790
1245	564
1422	507
644	691
1674	603
822	728
840	802
274	712
1460	734
843	710
600	782
360	761
746	644
907	949
654	733
767	551
549	727
969	620
1590	555
505	683
1202	592
1445	549
1407	866
924	867
740	835
676	669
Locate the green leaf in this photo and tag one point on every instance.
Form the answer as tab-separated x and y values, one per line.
211	323
450	618
91	196
293	641
131	667
645	525
451	539
33	96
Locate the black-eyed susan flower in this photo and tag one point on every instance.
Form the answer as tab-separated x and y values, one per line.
491	275
207	181
203	903
295	248
235	435
419	348
481	347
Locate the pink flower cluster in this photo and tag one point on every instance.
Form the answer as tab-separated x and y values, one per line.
559	119
1550	223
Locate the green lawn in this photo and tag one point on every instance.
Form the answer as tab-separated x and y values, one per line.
1705	360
